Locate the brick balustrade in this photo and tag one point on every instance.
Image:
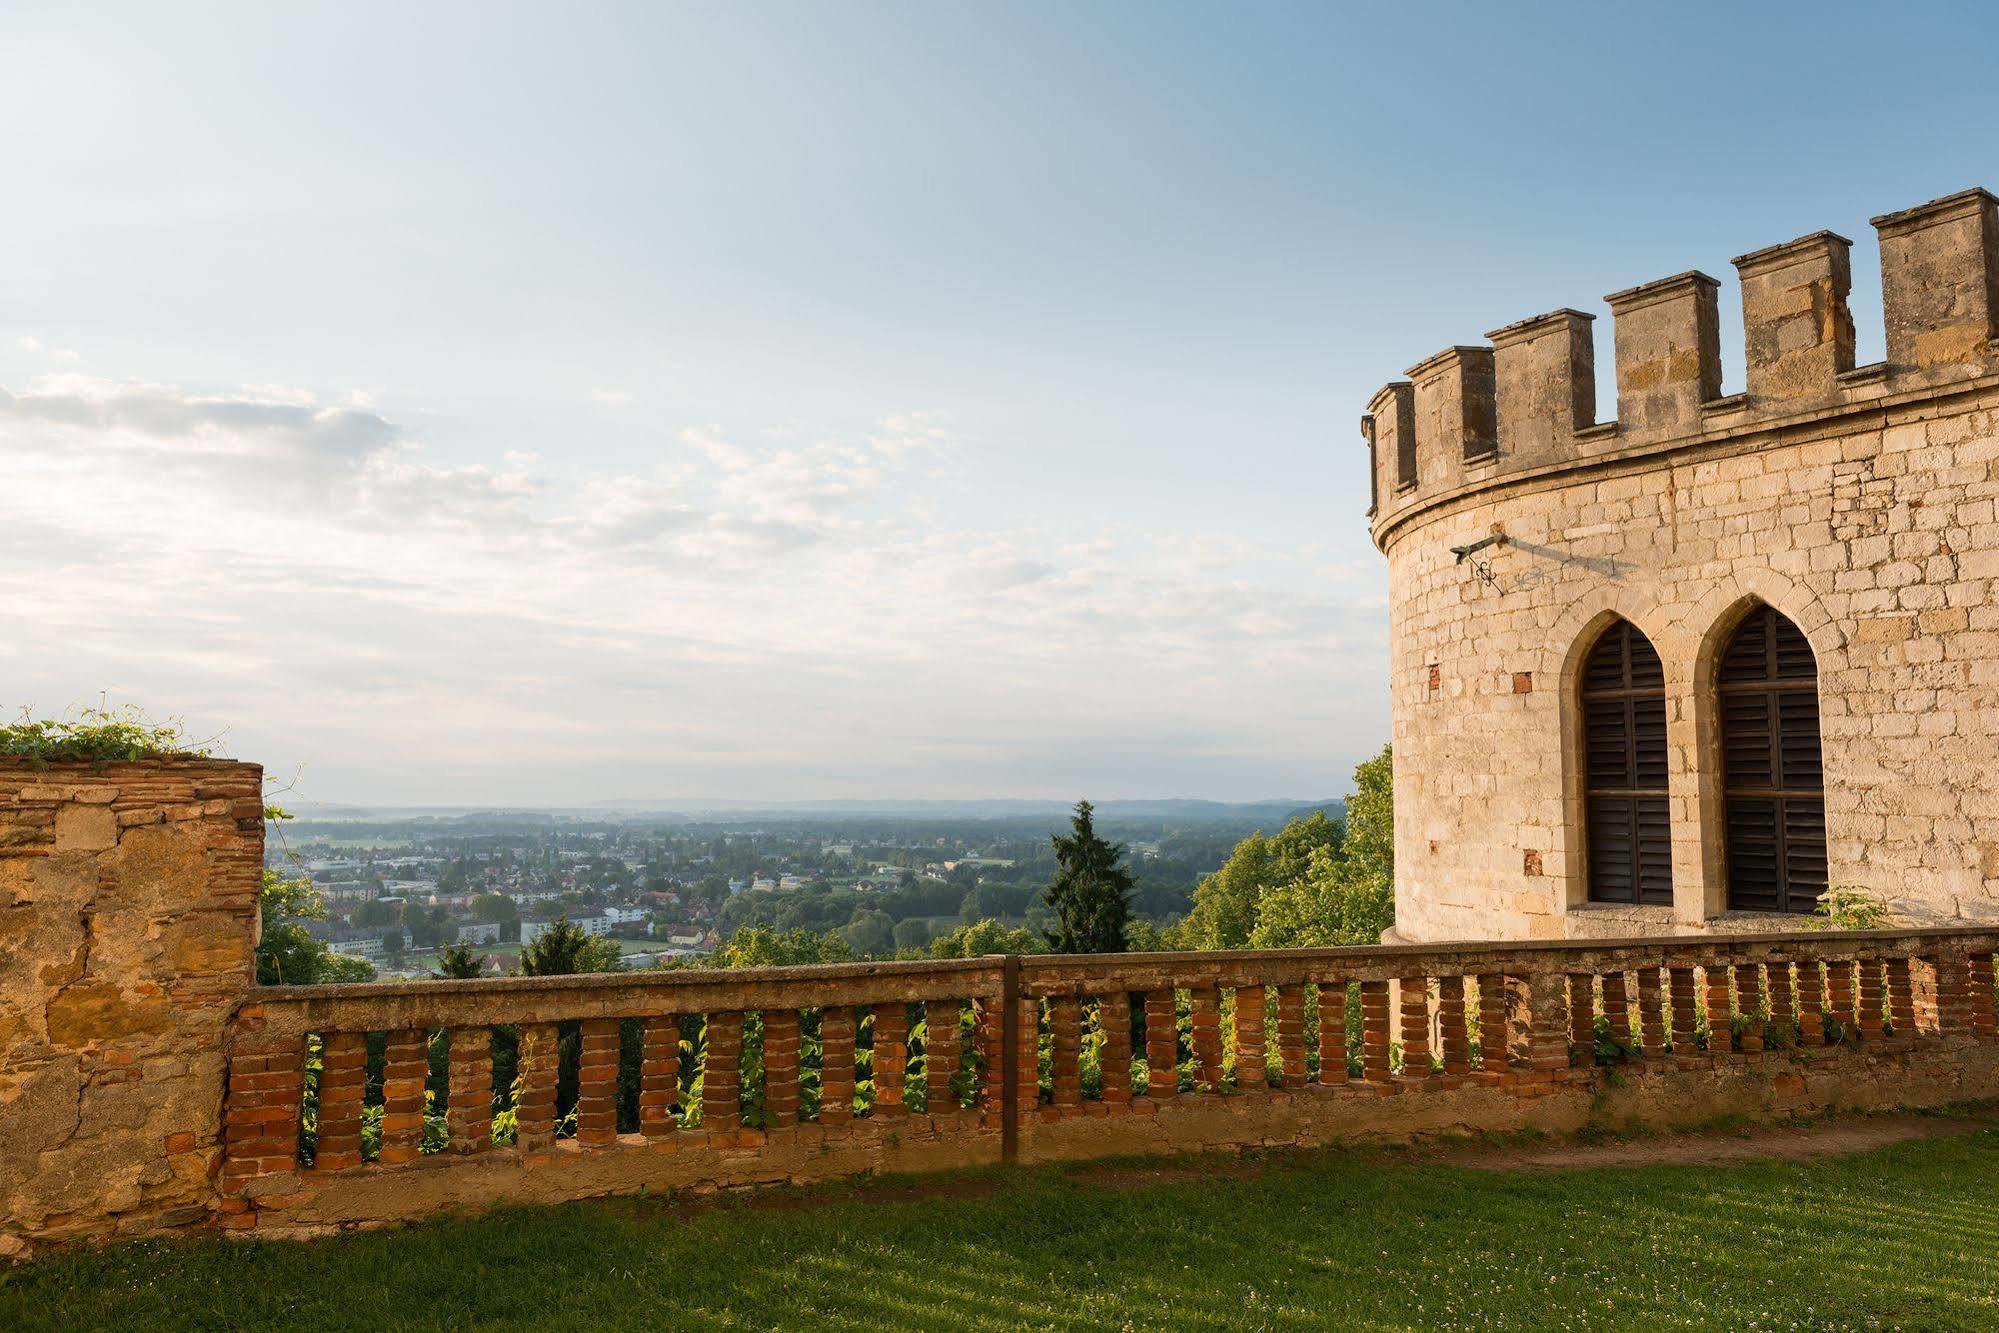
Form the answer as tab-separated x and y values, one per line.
929	1065
148	1085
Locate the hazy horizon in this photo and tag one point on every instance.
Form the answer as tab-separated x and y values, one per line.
510	406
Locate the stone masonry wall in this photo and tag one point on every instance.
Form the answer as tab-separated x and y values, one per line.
1859	502
128	910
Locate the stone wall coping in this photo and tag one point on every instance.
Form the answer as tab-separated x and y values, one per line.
1963	204
111	769
1816	245
289	1010
1744	436
1660	289
670	979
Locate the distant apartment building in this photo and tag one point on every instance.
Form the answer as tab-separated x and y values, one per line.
479	932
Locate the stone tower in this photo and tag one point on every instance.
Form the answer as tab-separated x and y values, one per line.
1706	658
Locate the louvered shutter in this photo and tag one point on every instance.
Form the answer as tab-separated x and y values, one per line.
1629	842
1773	768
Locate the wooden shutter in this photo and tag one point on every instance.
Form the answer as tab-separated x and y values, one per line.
1629	841
1773	768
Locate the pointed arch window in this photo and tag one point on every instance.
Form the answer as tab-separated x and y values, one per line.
1774	771
1629	843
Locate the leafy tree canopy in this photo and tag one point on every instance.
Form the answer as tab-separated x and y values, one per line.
986	937
287	954
564	949
760	946
1319	882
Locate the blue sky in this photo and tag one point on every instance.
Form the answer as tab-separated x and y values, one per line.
550	404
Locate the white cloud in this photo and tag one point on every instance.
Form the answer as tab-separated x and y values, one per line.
772	615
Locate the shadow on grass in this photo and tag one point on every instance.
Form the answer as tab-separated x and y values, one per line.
1904	1236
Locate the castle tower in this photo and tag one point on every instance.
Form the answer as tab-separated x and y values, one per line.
1720	651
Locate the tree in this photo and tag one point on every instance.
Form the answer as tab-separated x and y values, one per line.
564	949
757	946
425	924
374	912
1317	883
1091	892
870	934
1228	903
494	907
986	937
457	963
912	934
287	954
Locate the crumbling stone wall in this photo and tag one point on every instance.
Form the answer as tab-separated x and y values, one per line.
128	911
1857	501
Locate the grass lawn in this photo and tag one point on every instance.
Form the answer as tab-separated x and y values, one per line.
1907	1236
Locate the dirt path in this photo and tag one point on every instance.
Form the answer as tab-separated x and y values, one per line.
1757	1143
1837	1137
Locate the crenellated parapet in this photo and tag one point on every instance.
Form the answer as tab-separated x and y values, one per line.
1471	416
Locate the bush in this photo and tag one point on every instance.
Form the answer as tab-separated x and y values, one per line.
97	736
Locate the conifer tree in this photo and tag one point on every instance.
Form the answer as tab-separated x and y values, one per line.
1091	893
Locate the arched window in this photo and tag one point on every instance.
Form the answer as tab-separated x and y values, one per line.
1624	761
1774	784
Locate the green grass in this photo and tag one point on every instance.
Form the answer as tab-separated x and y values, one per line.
1904	1237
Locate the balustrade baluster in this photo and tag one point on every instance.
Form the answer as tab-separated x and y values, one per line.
891	1056
596	1083
469	1096
1811	1002
1617	1008
1065	1044
1162	1044
780	1067
1452	1034
1333	1032
1901	999
721	1073
1413	1002
261	1116
1954	1015
1983	1021
1376	1043
1114	1020
1839	996
1871	996
1207	1035
1783	1013
1651	1013
1494	1025
1547	998
1291	1035
1720	1008
343	1076
942	1053
990	1032
1686	1017
534	1113
405	1066
836	1064
1749	995
1582	1017
1027	1057
659	1075
1252	1059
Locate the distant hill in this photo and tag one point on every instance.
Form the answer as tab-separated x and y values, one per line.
1271	813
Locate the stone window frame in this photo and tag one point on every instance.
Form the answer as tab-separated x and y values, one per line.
1690	637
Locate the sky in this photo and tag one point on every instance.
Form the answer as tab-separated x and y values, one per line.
552	404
